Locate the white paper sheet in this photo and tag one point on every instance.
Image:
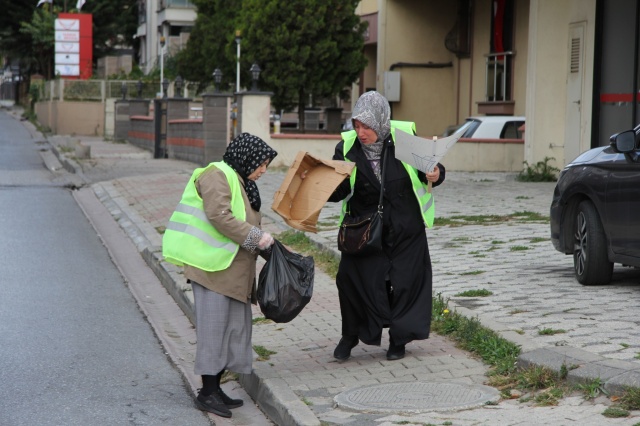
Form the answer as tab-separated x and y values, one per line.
421	153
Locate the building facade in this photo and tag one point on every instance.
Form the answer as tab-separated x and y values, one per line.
163	25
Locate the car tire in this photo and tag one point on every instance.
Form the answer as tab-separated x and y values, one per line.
590	260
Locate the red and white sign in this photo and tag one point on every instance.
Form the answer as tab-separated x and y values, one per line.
67	70
62	47
67	25
67	59
74	45
68	36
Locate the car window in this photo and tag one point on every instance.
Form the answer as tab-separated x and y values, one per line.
510	130
472	128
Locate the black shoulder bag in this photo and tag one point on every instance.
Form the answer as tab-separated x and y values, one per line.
362	235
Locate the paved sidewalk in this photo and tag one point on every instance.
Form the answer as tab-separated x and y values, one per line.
532	284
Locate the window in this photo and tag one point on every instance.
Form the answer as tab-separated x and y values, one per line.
499	71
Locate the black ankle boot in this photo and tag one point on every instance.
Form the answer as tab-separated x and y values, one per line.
213	403
395	352
228	401
343	350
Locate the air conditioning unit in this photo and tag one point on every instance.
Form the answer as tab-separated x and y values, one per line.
392	86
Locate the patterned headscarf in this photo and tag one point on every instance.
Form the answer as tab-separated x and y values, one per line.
245	154
373	110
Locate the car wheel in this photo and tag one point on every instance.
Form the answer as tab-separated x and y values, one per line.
590	261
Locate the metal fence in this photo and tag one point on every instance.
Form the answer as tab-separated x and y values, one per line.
100	90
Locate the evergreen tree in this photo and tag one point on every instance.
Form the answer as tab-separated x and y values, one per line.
305	48
211	44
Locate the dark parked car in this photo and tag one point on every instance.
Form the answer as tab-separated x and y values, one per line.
595	212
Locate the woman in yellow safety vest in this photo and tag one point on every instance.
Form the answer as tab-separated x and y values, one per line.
390	288
215	233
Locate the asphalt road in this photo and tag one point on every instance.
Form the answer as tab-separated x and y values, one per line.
75	348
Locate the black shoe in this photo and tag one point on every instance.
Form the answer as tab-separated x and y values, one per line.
230	402
343	350
395	352
213	403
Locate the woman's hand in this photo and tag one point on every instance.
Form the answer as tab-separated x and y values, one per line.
265	241
434	175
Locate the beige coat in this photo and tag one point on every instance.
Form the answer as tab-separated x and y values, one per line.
238	280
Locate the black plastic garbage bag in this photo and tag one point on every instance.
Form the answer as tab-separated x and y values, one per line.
285	284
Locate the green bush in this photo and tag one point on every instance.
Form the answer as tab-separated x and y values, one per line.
539	172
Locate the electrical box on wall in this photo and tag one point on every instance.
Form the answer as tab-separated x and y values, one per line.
392	86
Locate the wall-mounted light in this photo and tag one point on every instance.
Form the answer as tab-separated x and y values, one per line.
255	75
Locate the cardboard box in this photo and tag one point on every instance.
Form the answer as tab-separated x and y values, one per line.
298	200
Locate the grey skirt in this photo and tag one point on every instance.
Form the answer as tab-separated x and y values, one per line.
223	330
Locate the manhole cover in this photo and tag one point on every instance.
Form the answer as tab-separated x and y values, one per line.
416	397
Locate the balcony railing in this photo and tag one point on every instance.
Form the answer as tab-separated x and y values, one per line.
498	84
499	73
163	4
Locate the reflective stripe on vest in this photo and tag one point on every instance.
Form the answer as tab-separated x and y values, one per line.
424	197
190	238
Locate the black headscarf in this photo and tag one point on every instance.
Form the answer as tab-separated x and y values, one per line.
245	154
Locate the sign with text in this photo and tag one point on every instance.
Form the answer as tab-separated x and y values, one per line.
74	45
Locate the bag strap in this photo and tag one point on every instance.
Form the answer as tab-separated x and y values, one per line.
384	170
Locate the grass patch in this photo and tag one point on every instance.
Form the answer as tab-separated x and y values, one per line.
470	335
630	399
549	397
546	387
229	376
472	273
592	389
518	248
261	320
300	243
492	219
550	331
263	353
615	412
538	240
475	293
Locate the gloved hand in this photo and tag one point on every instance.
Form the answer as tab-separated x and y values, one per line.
265	241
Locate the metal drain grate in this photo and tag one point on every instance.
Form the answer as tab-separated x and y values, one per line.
416	397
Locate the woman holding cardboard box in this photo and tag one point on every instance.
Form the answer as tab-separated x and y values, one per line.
390	287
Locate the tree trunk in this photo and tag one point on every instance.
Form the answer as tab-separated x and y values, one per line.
301	126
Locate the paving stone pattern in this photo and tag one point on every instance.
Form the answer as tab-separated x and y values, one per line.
532	287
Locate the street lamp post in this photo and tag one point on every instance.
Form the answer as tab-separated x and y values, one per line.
164	86
238	40
178	87
217	78
162	42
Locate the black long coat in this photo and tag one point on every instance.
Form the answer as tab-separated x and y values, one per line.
366	303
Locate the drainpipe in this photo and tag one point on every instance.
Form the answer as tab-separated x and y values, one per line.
420	65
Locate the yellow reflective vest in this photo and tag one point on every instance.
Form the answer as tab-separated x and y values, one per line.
190	238
420	189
